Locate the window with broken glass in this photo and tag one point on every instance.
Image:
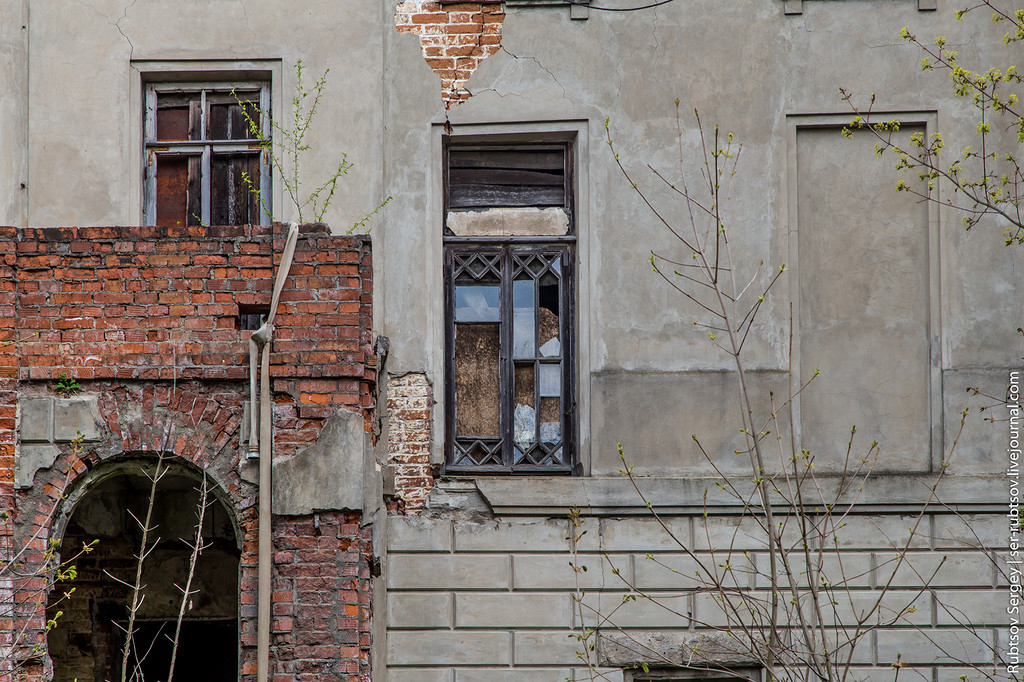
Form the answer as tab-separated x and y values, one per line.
202	157
509	262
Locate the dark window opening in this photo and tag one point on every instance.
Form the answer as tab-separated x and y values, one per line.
510	301
252	317
88	642
155	639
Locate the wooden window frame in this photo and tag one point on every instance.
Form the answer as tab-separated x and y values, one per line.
204	148
510	248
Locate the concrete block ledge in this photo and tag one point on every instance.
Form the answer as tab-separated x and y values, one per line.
537	496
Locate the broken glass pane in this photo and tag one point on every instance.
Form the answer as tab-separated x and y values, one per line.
525	422
548	325
551	349
547	316
524	383
476	304
524	335
549	410
551	380
551	420
477	386
551	432
525	425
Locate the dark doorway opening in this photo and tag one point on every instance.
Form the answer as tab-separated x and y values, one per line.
88	642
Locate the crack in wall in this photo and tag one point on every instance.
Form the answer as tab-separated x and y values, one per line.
539	65
117	25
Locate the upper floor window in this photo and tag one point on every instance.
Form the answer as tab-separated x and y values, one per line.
202	156
510	302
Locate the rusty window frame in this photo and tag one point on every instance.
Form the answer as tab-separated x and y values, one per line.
203	148
510	250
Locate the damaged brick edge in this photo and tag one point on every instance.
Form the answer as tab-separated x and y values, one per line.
454	37
410	402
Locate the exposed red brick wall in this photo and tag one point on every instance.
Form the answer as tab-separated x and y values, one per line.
409	404
321	619
455	38
146	318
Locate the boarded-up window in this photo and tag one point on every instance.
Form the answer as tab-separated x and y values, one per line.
510	252
204	161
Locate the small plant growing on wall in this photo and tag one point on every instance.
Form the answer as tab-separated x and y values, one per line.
292	142
31	568
65	385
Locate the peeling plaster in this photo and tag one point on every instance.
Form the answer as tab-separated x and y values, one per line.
454	41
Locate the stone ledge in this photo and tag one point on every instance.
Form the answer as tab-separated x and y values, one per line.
889	494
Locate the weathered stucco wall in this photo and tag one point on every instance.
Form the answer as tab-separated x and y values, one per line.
773	82
900	309
84	112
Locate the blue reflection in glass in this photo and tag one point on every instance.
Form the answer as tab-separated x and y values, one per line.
550	380
523	335
477	304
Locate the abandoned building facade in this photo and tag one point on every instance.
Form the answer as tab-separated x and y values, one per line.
452	427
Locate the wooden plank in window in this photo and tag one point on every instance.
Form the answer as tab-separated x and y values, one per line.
178	191
231	201
477	386
552	160
487	196
502	178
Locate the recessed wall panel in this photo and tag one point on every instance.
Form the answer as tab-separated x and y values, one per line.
863	302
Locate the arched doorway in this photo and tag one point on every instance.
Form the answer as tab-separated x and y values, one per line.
90	636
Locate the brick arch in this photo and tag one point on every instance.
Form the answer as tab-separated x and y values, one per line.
148	324
84	483
88	641
197	423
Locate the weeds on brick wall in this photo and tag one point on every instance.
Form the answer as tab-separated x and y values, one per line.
792	607
291	140
29	570
65	385
981	179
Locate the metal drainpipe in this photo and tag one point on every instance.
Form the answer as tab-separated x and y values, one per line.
262	446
